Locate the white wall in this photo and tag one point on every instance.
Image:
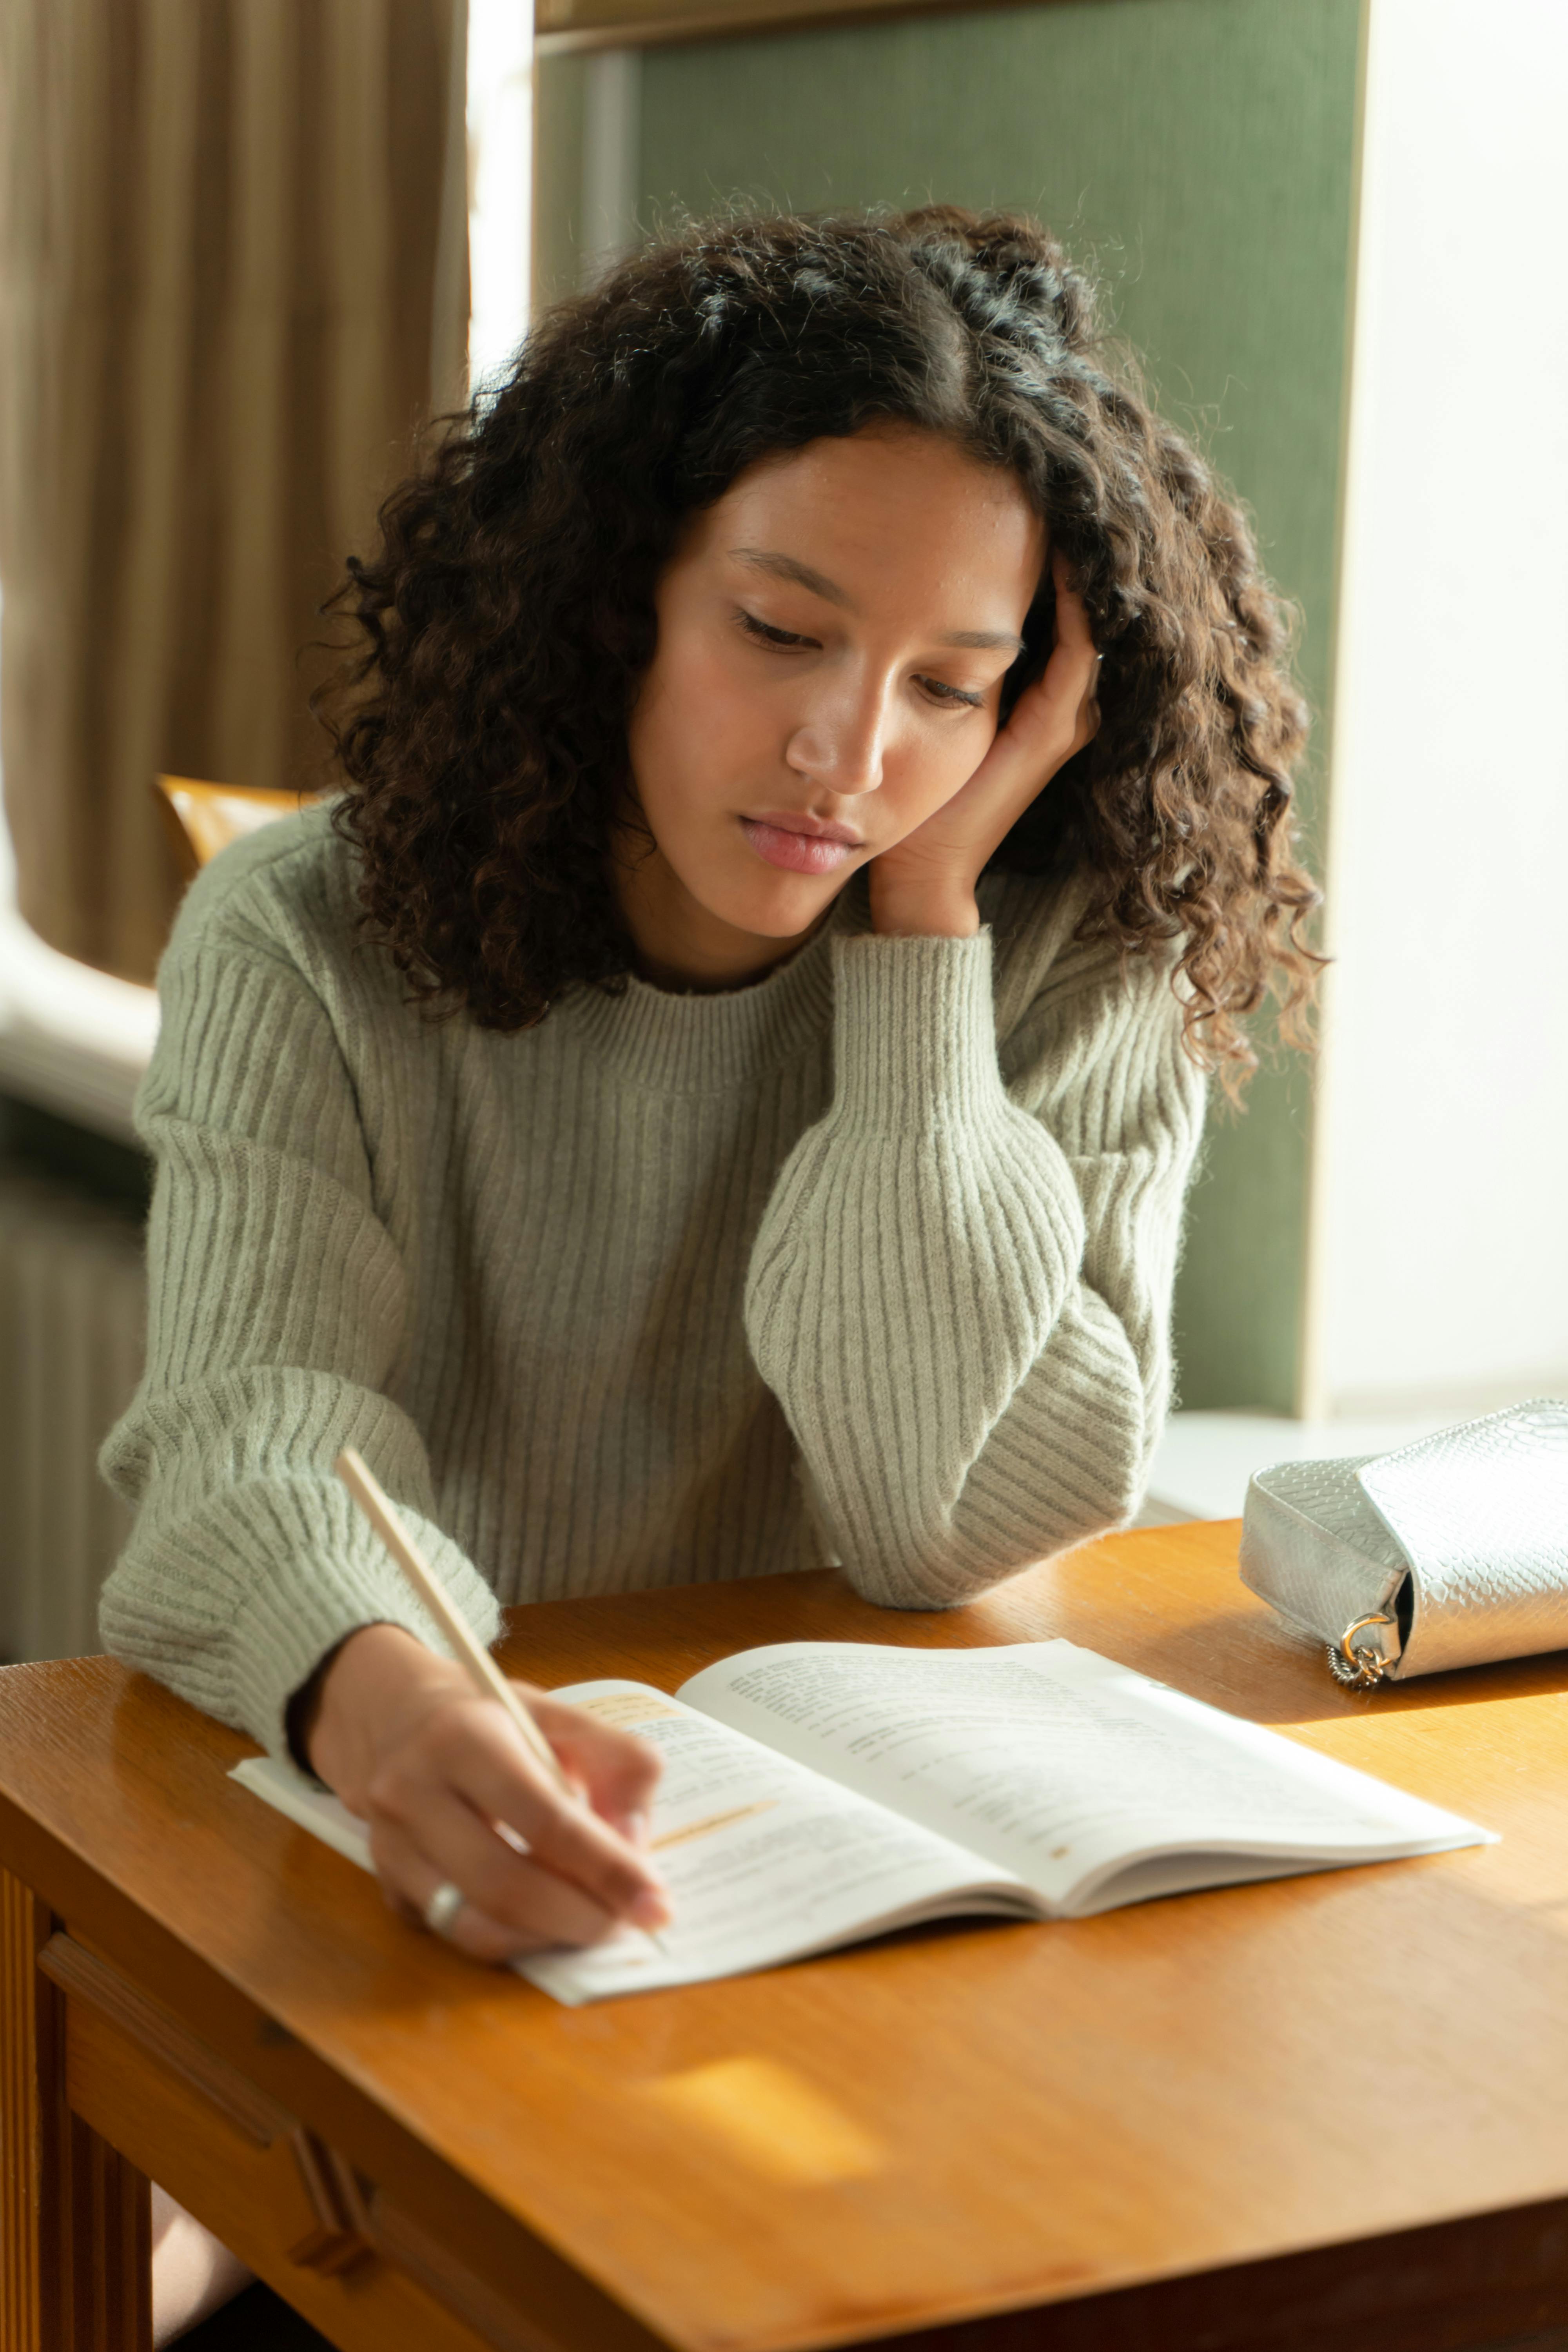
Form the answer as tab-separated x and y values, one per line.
1441	1183
501	180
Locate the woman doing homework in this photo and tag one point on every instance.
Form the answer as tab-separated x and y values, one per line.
715	1094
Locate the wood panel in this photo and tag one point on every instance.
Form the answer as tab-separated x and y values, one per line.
102	2250
25	1927
288	2203
75	2220
1055	2114
266	2203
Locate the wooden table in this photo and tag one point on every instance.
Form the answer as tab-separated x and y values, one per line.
1326	2110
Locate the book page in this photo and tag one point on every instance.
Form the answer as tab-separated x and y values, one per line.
765	1861
1064	1768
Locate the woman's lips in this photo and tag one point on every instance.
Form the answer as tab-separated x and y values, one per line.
797	853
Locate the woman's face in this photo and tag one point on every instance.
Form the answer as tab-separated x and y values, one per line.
833	635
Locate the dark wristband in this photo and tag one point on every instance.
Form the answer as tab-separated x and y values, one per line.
299	1715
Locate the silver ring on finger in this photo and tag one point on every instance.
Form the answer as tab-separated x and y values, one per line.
443	1908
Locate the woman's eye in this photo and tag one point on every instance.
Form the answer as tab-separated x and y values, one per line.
765	634
941	692
762	633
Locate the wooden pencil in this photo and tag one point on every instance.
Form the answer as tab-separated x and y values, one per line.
472	1656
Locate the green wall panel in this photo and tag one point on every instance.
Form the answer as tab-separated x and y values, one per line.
558	177
1199	155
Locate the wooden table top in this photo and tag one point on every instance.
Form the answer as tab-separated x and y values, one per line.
966	2119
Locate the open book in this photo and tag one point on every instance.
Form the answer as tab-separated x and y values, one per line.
818	1793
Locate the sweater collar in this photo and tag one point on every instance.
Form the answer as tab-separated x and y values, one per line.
703	1043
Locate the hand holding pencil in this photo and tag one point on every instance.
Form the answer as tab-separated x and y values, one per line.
435	1754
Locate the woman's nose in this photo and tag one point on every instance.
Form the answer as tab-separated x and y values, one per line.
842	748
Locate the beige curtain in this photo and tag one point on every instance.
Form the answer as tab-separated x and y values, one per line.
233	278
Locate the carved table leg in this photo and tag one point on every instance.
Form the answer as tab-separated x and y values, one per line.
75	2250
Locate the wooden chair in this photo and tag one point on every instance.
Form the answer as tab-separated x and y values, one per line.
203	818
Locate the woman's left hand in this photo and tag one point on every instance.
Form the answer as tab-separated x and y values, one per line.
924	885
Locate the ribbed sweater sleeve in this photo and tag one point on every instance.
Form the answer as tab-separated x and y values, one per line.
276	1316
960	1290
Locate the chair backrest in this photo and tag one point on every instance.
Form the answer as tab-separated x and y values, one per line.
205	818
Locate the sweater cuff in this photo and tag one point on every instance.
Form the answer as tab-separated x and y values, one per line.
333	1580
915	1032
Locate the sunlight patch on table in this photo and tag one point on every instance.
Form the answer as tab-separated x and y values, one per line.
771	2120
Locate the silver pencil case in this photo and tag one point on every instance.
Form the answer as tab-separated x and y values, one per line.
1450	1552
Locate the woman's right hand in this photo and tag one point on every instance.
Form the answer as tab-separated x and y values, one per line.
403	1739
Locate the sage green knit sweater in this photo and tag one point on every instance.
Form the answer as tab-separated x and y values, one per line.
869	1263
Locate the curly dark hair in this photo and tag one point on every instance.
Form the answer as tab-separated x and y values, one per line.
507	615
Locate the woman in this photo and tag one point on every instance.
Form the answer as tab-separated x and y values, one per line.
716	1094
